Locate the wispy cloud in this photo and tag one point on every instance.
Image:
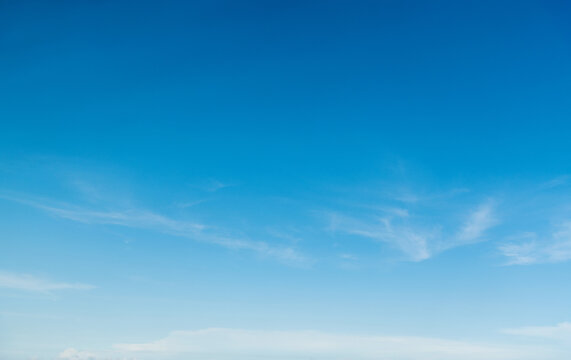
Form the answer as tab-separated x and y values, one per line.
73	354
212	185
520	254
416	240
554	248
561	331
221	343
351	257
145	219
555	182
477	223
189	204
413	242
28	282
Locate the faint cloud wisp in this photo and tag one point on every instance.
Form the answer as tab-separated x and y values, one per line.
32	283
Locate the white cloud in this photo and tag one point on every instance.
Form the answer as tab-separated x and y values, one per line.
558	181
561	331
554	249
221	343
477	223
418	242
144	219
413	242
520	254
130	217
348	257
399	212
32	283
73	354
211	185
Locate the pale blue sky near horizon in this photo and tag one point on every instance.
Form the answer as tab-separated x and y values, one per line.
291	180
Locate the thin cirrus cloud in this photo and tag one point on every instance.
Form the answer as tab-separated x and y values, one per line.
554	248
211	185
27	282
561	332
145	219
480	220
417	241
73	354
129	218
413	242
223	343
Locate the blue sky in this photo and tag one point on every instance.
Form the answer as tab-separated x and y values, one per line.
285	180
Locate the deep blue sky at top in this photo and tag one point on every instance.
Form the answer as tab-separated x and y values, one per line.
391	167
290	90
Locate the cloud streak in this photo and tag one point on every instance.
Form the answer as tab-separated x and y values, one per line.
417	241
561	331
144	219
413	242
32	283
73	354
555	248
222	343
477	223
